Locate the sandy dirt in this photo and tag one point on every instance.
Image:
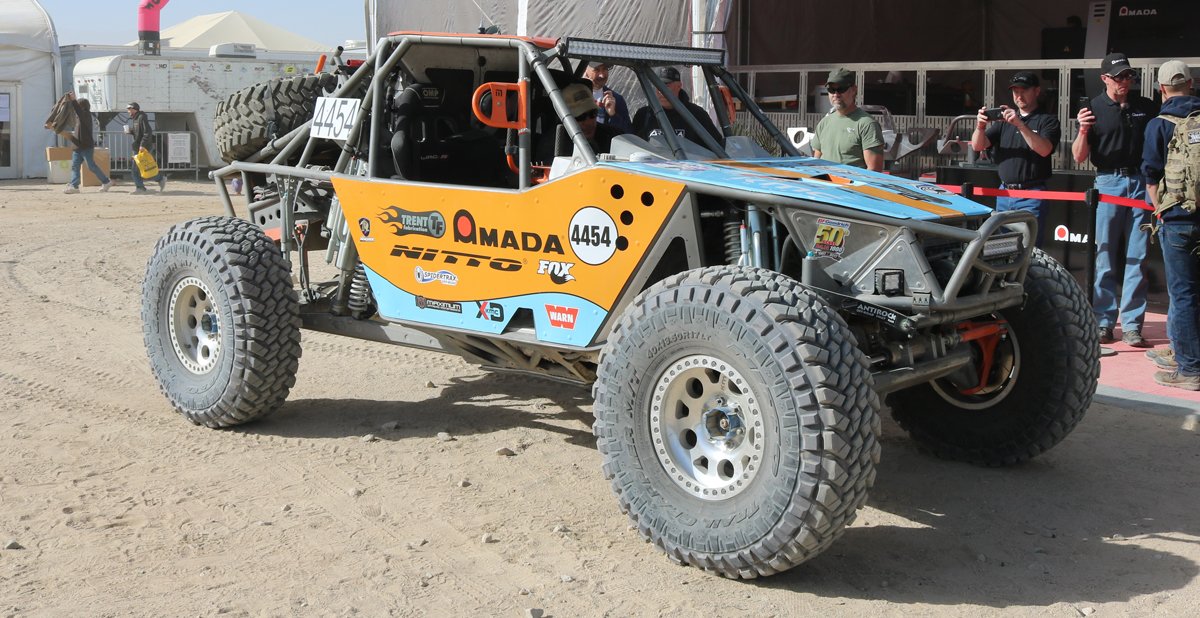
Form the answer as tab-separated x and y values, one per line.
122	508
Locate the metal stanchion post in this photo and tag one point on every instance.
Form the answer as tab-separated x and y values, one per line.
968	190
1091	197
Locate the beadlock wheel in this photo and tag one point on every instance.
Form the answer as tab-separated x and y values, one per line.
707	426
195	326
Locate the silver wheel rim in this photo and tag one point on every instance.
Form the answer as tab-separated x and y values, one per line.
707	427
195	327
990	398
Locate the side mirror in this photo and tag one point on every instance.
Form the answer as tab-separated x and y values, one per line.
494	103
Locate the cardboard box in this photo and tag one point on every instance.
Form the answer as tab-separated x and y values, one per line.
59	164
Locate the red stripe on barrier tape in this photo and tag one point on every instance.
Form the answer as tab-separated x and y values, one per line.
1065	196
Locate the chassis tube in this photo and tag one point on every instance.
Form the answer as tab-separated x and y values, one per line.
755	111
686	115
660	114
536	60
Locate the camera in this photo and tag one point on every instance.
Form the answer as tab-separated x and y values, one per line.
993	113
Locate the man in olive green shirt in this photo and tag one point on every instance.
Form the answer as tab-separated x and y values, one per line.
848	134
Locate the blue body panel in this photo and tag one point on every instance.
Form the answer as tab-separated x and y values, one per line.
786	177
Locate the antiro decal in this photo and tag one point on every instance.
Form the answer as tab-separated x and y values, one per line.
404	222
1062	234
465	231
490	310
560	272
562	317
443	277
456	257
438	305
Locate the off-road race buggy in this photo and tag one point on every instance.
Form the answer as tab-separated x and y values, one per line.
741	317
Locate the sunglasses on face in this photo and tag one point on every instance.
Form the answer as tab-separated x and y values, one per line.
837	89
586	116
1124	76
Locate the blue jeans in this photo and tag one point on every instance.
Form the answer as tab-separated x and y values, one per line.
1180	244
139	182
1037	207
1121	247
77	160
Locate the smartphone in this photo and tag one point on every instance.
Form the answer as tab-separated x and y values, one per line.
1082	103
993	113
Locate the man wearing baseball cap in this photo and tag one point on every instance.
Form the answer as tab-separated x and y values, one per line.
1112	129
847	134
1021	141
143	137
1180	229
645	123
611	108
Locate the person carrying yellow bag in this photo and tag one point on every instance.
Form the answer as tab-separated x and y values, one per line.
143	142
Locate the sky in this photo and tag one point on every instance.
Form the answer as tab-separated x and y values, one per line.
114	22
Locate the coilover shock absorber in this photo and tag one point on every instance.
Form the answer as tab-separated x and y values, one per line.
361	301
732	228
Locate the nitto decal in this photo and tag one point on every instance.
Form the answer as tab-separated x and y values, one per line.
364	226
456	257
830	240
404	222
560	272
593	236
438	305
490	310
443	277
465	231
562	317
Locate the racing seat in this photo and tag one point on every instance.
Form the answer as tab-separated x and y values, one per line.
432	143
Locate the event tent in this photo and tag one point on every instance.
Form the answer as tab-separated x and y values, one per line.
28	87
204	31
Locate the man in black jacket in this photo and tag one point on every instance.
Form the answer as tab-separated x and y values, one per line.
645	124
143	137
84	145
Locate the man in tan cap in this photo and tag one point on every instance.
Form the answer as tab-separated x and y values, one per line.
848	134
1174	138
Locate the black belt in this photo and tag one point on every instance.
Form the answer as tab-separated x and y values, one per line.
1025	185
1121	171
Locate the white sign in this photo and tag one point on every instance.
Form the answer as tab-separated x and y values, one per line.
179	147
333	118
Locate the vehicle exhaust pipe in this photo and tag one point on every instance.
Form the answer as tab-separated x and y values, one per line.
148	40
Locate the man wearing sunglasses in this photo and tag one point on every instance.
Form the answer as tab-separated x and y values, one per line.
848	134
1112	130
583	107
1021	140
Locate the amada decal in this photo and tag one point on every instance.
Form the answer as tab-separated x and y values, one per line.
490	310
404	222
438	305
562	317
443	277
465	231
560	272
1062	234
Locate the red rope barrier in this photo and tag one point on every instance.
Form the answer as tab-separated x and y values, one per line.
1065	196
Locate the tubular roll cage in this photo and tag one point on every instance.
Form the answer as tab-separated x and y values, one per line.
943	307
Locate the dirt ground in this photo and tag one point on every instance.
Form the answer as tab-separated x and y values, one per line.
122	508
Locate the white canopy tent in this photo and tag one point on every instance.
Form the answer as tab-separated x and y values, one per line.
204	31
29	81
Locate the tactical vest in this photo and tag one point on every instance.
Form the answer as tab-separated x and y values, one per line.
1181	177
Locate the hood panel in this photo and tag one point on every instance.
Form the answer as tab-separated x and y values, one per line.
818	180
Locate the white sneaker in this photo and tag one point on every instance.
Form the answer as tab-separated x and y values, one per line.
106	186
70	190
162	184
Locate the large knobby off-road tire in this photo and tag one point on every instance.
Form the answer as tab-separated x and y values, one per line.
1048	365
243	121
737	420
221	321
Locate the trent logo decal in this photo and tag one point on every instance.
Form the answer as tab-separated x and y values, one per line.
404	222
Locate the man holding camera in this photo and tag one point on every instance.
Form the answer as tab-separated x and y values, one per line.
1021	142
1112	129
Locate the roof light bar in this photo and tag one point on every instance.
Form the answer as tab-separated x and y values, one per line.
649	54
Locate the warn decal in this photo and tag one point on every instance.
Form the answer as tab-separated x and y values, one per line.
465	231
562	317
